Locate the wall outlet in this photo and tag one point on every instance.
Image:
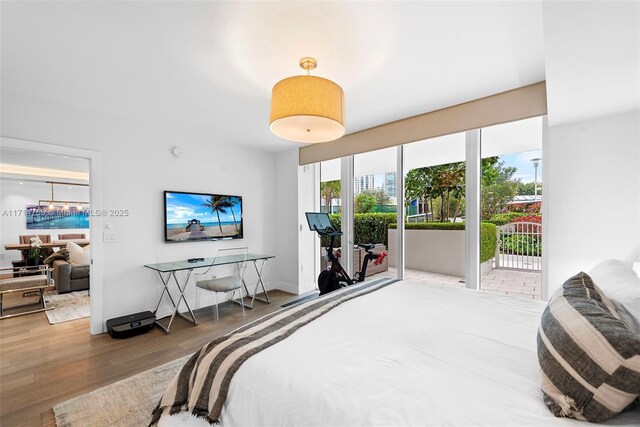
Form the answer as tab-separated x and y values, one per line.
109	236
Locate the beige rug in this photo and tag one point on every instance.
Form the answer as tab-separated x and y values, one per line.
69	306
123	404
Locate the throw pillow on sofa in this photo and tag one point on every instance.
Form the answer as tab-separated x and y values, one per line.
78	256
62	254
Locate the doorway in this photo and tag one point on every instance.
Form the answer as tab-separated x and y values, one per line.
60	188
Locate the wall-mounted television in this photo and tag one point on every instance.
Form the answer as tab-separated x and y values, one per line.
190	217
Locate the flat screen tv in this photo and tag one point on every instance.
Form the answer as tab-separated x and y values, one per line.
190	217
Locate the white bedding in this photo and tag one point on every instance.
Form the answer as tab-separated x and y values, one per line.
408	354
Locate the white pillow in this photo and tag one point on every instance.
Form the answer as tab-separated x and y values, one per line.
634	255
78	256
620	282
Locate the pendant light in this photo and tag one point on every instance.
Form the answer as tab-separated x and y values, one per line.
307	108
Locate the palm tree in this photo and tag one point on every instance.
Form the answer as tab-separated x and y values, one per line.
330	190
230	203
217	204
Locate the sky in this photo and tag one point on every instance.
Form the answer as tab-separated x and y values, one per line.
182	207
522	161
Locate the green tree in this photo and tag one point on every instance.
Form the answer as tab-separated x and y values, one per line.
419	184
498	187
330	190
450	179
364	203
382	198
528	188
490	171
217	204
442	188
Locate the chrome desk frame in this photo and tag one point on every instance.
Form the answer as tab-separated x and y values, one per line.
266	300
170	269
165	282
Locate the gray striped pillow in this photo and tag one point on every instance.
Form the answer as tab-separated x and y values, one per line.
589	359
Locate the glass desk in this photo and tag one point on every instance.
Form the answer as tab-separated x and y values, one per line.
167	271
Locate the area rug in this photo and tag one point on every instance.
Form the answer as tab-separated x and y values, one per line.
69	306
122	404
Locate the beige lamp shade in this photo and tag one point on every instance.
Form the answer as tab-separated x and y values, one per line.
307	109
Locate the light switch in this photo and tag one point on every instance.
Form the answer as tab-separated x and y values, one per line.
109	236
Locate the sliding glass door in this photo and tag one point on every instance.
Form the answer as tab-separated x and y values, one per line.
330	201
375	208
457	210
510	209
434	207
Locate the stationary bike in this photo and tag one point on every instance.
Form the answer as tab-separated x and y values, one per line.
336	277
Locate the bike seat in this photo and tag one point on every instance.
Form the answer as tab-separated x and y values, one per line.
367	246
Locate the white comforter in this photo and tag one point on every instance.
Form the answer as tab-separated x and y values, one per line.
408	354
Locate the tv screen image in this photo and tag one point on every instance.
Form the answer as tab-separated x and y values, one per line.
199	216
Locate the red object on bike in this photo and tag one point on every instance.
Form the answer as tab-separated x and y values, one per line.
380	258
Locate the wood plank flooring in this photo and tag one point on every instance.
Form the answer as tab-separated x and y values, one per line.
42	364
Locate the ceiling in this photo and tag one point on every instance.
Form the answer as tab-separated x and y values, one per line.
33	165
208	67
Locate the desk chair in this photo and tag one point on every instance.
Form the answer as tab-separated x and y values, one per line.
225	284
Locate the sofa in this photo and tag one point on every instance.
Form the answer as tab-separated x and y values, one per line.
68	278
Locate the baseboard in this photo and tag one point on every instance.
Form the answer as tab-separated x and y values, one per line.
207	299
286	287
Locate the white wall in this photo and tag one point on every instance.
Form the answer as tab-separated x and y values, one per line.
593	195
15	197
287	219
298	191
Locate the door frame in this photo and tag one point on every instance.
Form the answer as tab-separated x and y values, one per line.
96	223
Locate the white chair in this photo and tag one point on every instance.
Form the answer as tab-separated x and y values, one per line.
226	284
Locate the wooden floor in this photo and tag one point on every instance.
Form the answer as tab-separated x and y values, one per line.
42	364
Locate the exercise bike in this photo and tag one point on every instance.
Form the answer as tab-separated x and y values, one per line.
336	277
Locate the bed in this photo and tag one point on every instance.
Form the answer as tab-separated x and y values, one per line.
407	354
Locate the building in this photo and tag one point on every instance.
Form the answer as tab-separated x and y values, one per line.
390	184
363	183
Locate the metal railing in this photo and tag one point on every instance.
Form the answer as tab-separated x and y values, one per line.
519	246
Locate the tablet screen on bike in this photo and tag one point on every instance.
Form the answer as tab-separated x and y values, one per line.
318	221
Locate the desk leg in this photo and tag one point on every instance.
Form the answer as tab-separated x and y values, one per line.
260	282
255	289
165	283
192	319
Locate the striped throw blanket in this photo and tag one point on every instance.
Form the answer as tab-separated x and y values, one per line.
589	358
202	385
